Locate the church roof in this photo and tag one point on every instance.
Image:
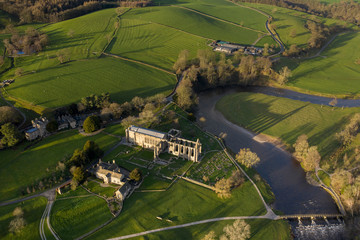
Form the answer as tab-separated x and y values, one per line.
148	132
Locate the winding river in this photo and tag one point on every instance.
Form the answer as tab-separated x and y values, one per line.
283	173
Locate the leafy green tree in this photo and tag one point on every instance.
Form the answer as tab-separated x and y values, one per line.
52	126
78	174
92	150
136	174
78	158
223	188
91	124
11	135
247	157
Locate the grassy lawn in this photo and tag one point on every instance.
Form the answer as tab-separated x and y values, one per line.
67	192
183	202
153	43
286	119
193	23
335	73
33	210
153	182
94	186
230	12
20	168
260	229
74	217
116	129
67	83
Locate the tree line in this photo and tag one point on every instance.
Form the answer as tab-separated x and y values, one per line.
59	10
205	72
348	11
29	42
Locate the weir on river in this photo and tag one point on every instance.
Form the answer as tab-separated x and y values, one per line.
283	173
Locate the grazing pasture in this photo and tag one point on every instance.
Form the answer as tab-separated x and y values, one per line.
74	217
23	166
230	12
286	119
153	43
336	71
67	83
287	20
194	23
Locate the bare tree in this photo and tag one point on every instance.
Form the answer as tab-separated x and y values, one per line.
239	230
222	188
210	236
301	147
247	157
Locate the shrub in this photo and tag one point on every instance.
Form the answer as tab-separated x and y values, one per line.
91	124
52	126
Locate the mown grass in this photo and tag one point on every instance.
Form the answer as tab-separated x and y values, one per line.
21	167
260	229
33	210
335	73
94	186
74	217
183	202
286	119
229	12
153	43
67	83
193	23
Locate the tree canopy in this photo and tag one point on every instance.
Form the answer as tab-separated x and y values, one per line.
11	135
91	124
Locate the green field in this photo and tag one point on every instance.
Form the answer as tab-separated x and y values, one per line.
193	23
260	229
286	119
33	210
153	43
286	20
334	73
229	12
74	217
183	202
20	168
68	83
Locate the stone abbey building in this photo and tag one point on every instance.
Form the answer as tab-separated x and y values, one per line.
164	142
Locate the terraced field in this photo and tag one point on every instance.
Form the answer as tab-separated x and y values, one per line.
193	23
153	43
335	73
67	83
